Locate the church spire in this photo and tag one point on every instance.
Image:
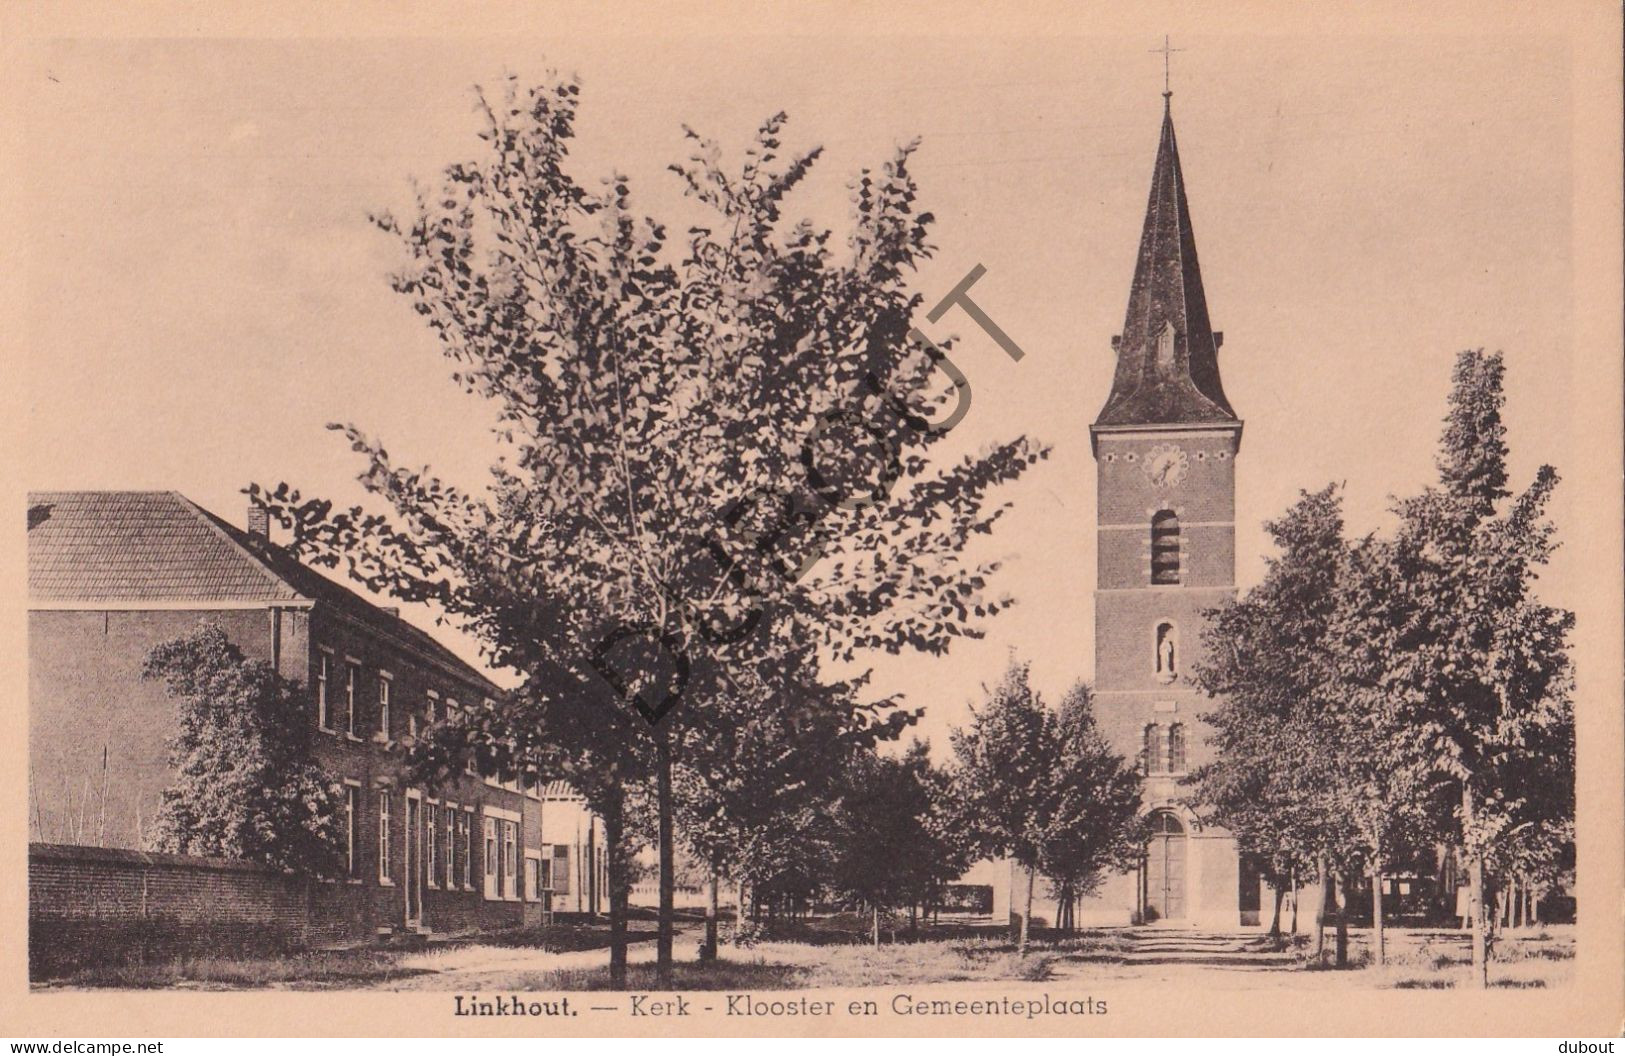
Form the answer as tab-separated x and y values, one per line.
1167	355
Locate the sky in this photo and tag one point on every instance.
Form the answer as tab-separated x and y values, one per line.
204	292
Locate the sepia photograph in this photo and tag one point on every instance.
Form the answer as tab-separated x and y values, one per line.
828	521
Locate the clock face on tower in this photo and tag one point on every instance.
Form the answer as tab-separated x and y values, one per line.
1165	465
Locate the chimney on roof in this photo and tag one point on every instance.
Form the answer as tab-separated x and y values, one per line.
259	521
390	610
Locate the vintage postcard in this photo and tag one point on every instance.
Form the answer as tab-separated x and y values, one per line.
1083	520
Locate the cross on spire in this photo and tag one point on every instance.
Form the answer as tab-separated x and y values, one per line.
1166	50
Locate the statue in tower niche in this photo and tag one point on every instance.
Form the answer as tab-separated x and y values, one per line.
1166	670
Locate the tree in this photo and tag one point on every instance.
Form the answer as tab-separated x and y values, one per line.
246	782
751	793
712	456
1478	664
1395	668
1272	662
1387	796
1004	764
1044	789
1091	827
889	850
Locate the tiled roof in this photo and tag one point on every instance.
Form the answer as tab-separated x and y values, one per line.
1168	354
124	546
128	547
312	584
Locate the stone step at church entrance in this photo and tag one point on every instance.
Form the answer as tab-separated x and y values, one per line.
1246	951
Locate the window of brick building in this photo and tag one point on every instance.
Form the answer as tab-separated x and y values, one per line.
465	825
1176	748
383	838
452	711
491	857
323	719
413	723
533	876
352	810
352	676
510	860
383	706
451	846
1165	548
431	844
561	868
1151	748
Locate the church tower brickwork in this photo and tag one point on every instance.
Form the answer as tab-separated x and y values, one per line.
1165	447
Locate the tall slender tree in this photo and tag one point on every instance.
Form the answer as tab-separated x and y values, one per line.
1043	788
711	455
1388	797
1266	662
1094	808
1005	763
1478	664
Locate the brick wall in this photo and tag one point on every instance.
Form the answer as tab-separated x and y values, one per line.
95	903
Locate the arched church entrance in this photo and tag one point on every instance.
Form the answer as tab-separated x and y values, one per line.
1165	856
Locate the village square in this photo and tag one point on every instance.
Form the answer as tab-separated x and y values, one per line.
809	615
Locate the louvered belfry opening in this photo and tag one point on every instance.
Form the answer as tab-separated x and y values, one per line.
1165	548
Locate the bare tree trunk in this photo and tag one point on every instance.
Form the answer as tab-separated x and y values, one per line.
668	864
1027	916
1275	917
875	909
708	952
1378	937
1475	889
1320	915
1340	886
592	869
1294	875
616	859
739	908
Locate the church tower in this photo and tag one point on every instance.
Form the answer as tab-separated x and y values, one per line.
1165	447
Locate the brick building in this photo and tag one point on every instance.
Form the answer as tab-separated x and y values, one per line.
1165	447
112	574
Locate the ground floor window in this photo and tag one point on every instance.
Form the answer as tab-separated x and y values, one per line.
490	857
451	846
465	824
431	843
561	868
352	809
383	838
533	877
510	860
